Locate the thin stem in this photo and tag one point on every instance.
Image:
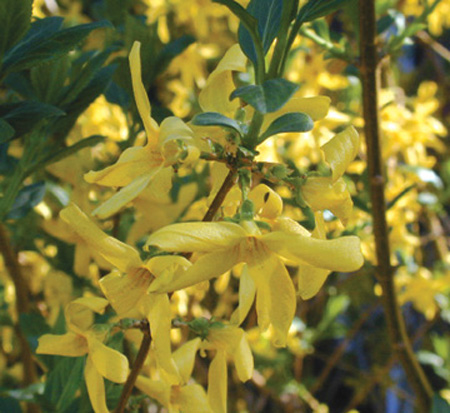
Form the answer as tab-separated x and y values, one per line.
396	326
22	306
137	366
220	196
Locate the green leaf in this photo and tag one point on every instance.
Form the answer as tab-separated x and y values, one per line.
27	198
439	405
271	96
216	119
289	122
6	131
315	9
33	325
63	382
10	405
268	15
15	18
23	116
45	41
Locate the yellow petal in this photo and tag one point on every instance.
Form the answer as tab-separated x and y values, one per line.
323	193
341	150
341	254
166	266
123	197
156	308
125	291
192	399
82	259
206	267
157	390
275	285
140	94
79	313
132	163
185	357
215	95
247	291
95	387
117	253
218	383
108	362
69	344
310	280
267	202
243	359
197	236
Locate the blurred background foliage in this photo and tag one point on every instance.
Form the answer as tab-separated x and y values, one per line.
66	107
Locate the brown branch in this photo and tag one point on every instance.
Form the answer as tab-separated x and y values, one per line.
22	306
137	366
220	196
396	326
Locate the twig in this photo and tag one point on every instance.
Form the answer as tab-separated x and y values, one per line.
438	48
137	366
220	196
396	326
22	306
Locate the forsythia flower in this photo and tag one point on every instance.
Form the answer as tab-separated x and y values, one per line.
222	245
81	339
129	292
137	167
331	192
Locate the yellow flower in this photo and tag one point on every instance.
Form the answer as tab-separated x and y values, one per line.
129	292
137	167
331	192
222	245
80	340
188	398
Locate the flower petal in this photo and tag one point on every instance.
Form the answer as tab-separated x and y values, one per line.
247	291
218	383
95	387
197	236
156	308
79	313
69	345
267	202
140	94
206	267
117	253
125	291
185	357
341	254
132	163
157	390
192	399
341	150
215	95
108	362
310	280
121	198
243	359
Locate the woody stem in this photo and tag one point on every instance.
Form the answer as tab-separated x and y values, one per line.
399	339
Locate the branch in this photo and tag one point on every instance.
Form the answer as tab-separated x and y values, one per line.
220	196
396	326
137	366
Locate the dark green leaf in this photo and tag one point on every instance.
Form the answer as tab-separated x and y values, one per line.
315	9
10	405
216	119
15	18
48	79
400	195
289	122
440	405
33	325
63	382
271	96
6	131
268	15
23	116
27	198
45	42
7	162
